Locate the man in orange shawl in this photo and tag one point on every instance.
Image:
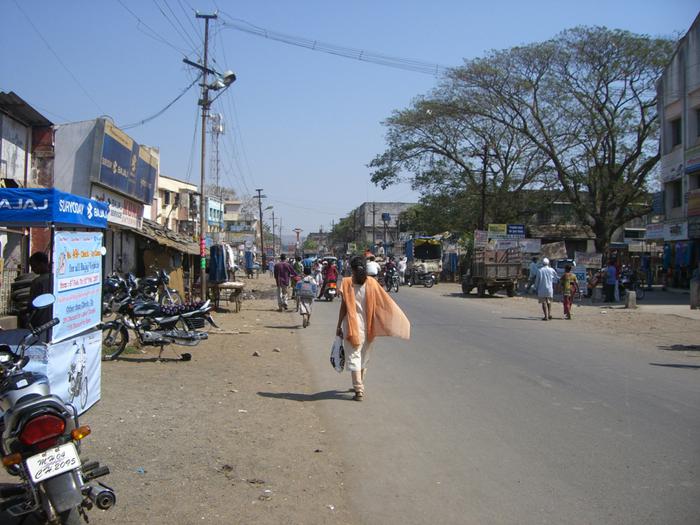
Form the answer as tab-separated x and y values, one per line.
366	311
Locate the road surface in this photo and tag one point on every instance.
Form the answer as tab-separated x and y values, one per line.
492	416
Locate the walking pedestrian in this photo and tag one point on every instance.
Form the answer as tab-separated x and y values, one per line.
569	287
532	275
610	281
283	273
544	284
366	311
372	267
403	262
306	291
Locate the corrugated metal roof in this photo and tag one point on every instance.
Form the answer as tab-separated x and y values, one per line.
18	109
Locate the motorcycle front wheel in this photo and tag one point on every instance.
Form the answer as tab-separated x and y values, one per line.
429	282
114	340
69	517
171	300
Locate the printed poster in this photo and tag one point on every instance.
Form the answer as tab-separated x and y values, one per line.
77	266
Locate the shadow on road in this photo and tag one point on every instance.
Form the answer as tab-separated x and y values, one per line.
126	359
681	348
527	318
673	365
342	395
284	327
472	296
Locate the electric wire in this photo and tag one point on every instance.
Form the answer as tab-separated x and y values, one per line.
235	124
190	162
166	108
53	52
407	64
188	16
184	29
154	34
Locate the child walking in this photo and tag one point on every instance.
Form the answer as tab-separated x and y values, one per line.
306	291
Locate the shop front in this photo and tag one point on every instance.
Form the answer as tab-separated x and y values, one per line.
71	358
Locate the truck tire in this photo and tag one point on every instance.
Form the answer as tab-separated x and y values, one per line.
481	289
510	291
466	288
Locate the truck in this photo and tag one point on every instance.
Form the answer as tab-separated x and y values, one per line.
491	270
423	255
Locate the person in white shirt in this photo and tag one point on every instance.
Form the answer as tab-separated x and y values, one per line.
372	267
402	269
544	284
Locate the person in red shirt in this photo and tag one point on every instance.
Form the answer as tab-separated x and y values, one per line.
330	274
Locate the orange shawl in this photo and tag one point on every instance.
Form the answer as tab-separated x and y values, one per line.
384	317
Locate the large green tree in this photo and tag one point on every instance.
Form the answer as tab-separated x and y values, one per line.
586	100
578	111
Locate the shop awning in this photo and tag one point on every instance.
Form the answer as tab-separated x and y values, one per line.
160	234
45	206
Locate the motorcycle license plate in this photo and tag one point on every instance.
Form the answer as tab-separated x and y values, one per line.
53	462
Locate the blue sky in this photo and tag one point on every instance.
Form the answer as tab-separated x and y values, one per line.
300	124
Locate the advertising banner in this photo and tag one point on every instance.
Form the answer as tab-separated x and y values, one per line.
122	211
515	230
125	166
694	203
530	245
554	250
582	277
77	263
591	260
655	231
497	230
481	238
42	206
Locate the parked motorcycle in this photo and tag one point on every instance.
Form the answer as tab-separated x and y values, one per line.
155	325
427	279
40	444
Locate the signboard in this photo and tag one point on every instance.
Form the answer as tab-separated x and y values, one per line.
43	206
676	231
554	250
122	211
72	367
386	217
530	245
497	230
582	278
515	230
505	244
655	231
125	166
692	160
77	263
591	260
658	206
481	238
694	203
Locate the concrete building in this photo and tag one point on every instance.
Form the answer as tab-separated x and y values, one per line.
377	223
26	160
240	226
678	92
176	205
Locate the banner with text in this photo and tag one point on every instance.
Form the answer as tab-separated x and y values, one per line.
77	263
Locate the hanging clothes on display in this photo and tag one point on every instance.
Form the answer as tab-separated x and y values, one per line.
217	265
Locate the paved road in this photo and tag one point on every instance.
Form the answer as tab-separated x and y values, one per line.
491	416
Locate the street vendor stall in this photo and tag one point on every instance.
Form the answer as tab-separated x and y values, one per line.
71	359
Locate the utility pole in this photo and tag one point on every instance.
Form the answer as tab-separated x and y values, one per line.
482	219
298	231
202	204
260	197
374	227
273	233
281	235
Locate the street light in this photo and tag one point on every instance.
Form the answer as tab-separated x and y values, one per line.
221	82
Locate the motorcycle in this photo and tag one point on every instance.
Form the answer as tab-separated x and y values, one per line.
427	279
391	280
331	290
40	444
155	325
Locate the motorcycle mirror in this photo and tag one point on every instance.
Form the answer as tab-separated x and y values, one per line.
43	300
103	250
6	355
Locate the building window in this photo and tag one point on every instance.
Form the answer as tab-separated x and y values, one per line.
676	136
166	198
676	188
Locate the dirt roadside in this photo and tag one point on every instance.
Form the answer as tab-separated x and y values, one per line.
193	442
